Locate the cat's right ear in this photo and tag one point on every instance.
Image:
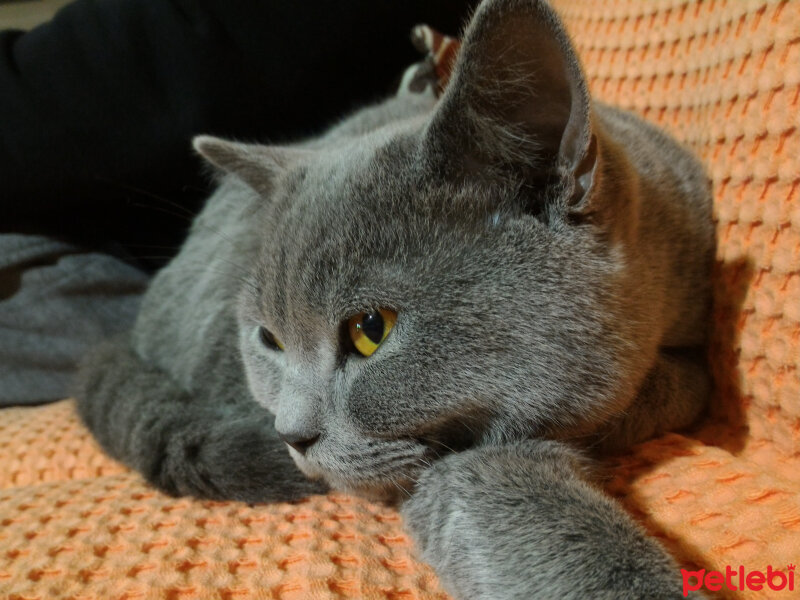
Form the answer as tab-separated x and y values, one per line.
255	164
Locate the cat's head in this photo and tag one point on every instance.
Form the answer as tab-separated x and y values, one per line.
441	279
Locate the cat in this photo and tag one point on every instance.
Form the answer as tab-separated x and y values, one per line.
452	305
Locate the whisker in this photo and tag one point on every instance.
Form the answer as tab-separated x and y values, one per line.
240	273
399	487
187	218
434	441
425	462
142	192
178	210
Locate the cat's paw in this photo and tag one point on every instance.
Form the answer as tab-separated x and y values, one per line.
520	522
233	460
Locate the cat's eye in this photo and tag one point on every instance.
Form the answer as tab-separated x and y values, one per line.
368	329
268	339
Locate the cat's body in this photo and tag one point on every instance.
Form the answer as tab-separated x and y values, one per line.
549	268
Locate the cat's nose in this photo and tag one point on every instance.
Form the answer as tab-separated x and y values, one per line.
300	442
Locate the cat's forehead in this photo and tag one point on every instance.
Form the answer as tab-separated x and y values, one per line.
365	224
369	170
389	181
359	191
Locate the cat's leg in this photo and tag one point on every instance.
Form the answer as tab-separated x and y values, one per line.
674	393
220	448
522	522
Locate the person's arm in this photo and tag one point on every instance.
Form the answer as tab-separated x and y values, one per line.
98	105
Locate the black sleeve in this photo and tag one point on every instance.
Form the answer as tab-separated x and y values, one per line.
97	106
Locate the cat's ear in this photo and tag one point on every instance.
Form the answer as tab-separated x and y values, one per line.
518	99
257	165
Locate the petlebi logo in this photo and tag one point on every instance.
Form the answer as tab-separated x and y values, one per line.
738	579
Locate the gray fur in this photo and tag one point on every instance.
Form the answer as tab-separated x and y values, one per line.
549	262
522	521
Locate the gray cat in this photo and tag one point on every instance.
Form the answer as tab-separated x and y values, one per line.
448	304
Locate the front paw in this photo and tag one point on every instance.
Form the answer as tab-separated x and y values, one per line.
519	522
464	518
236	459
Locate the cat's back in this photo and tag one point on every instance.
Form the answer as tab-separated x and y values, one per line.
675	237
659	158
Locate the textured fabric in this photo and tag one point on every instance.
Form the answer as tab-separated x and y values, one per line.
721	76
56	301
75	524
724	78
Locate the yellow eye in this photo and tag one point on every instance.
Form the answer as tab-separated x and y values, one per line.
269	340
369	329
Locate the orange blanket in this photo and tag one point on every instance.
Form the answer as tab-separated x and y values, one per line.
724	77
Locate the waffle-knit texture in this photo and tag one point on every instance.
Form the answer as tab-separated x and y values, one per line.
75	524
723	77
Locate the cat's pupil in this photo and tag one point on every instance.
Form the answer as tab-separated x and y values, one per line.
372	326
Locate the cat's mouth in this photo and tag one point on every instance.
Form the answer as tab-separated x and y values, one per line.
384	470
379	469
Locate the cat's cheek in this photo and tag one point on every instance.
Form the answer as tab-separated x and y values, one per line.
263	376
267	401
261	389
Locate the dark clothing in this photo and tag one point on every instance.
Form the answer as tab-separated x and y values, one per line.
98	106
97	110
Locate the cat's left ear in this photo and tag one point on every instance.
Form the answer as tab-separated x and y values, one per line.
255	164
517	100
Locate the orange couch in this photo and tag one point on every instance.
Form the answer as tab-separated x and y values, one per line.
724	77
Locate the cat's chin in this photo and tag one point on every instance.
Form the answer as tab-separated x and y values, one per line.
309	469
387	492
